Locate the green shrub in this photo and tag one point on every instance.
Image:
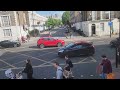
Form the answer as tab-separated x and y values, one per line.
34	33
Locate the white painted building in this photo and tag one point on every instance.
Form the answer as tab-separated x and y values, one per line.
11	25
36	21
98	27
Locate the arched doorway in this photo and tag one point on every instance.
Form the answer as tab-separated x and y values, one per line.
93	29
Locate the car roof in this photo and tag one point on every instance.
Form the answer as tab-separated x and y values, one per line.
46	37
82	42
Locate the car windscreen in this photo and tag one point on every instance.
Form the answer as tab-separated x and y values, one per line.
69	45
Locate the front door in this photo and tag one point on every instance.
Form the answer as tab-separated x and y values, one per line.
93	28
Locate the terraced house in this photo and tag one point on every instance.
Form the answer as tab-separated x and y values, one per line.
13	24
95	23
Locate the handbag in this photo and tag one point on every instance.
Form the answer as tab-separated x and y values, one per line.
111	76
99	69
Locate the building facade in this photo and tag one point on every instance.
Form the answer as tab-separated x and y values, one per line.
96	22
36	21
13	25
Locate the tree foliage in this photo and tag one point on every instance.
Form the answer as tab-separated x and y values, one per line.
51	22
66	17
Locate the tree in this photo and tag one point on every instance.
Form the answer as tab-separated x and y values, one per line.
51	22
66	17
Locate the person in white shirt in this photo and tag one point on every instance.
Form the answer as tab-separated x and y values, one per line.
59	72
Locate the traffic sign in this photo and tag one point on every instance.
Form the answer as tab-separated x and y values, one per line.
110	23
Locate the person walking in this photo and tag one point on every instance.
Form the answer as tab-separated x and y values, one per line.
106	66
28	37
68	62
67	74
28	69
59	71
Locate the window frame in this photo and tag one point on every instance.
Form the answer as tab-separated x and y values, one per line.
7	32
3	20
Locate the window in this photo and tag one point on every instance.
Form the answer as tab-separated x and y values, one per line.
45	38
7	32
5	20
77	46
86	45
107	14
70	45
51	39
102	26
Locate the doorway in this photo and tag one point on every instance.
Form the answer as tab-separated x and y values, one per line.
93	28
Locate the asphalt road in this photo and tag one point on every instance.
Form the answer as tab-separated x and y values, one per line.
84	66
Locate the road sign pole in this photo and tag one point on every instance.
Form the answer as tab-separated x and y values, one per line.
110	25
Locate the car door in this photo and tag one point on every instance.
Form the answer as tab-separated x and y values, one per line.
77	50
5	43
46	41
85	48
52	41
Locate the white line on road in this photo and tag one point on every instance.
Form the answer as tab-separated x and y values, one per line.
11	57
81	75
41	66
82	60
94	60
48	62
30	56
7	63
91	75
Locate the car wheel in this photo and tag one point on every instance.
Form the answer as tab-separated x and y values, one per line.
42	46
15	45
59	44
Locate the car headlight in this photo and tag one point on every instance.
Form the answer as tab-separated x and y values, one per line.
60	50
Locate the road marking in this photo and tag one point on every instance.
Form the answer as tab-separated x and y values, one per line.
7	63
18	62
81	75
82	60
10	57
94	60
48	61
54	77
47	53
4	67
41	66
91	75
30	56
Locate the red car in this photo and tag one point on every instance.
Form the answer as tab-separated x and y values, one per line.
49	41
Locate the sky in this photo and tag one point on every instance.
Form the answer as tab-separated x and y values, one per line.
48	13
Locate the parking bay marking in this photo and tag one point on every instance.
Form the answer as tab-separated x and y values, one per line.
31	57
42	66
7	63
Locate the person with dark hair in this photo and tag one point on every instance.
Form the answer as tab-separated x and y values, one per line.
68	61
28	69
106	65
59	72
28	37
67	74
